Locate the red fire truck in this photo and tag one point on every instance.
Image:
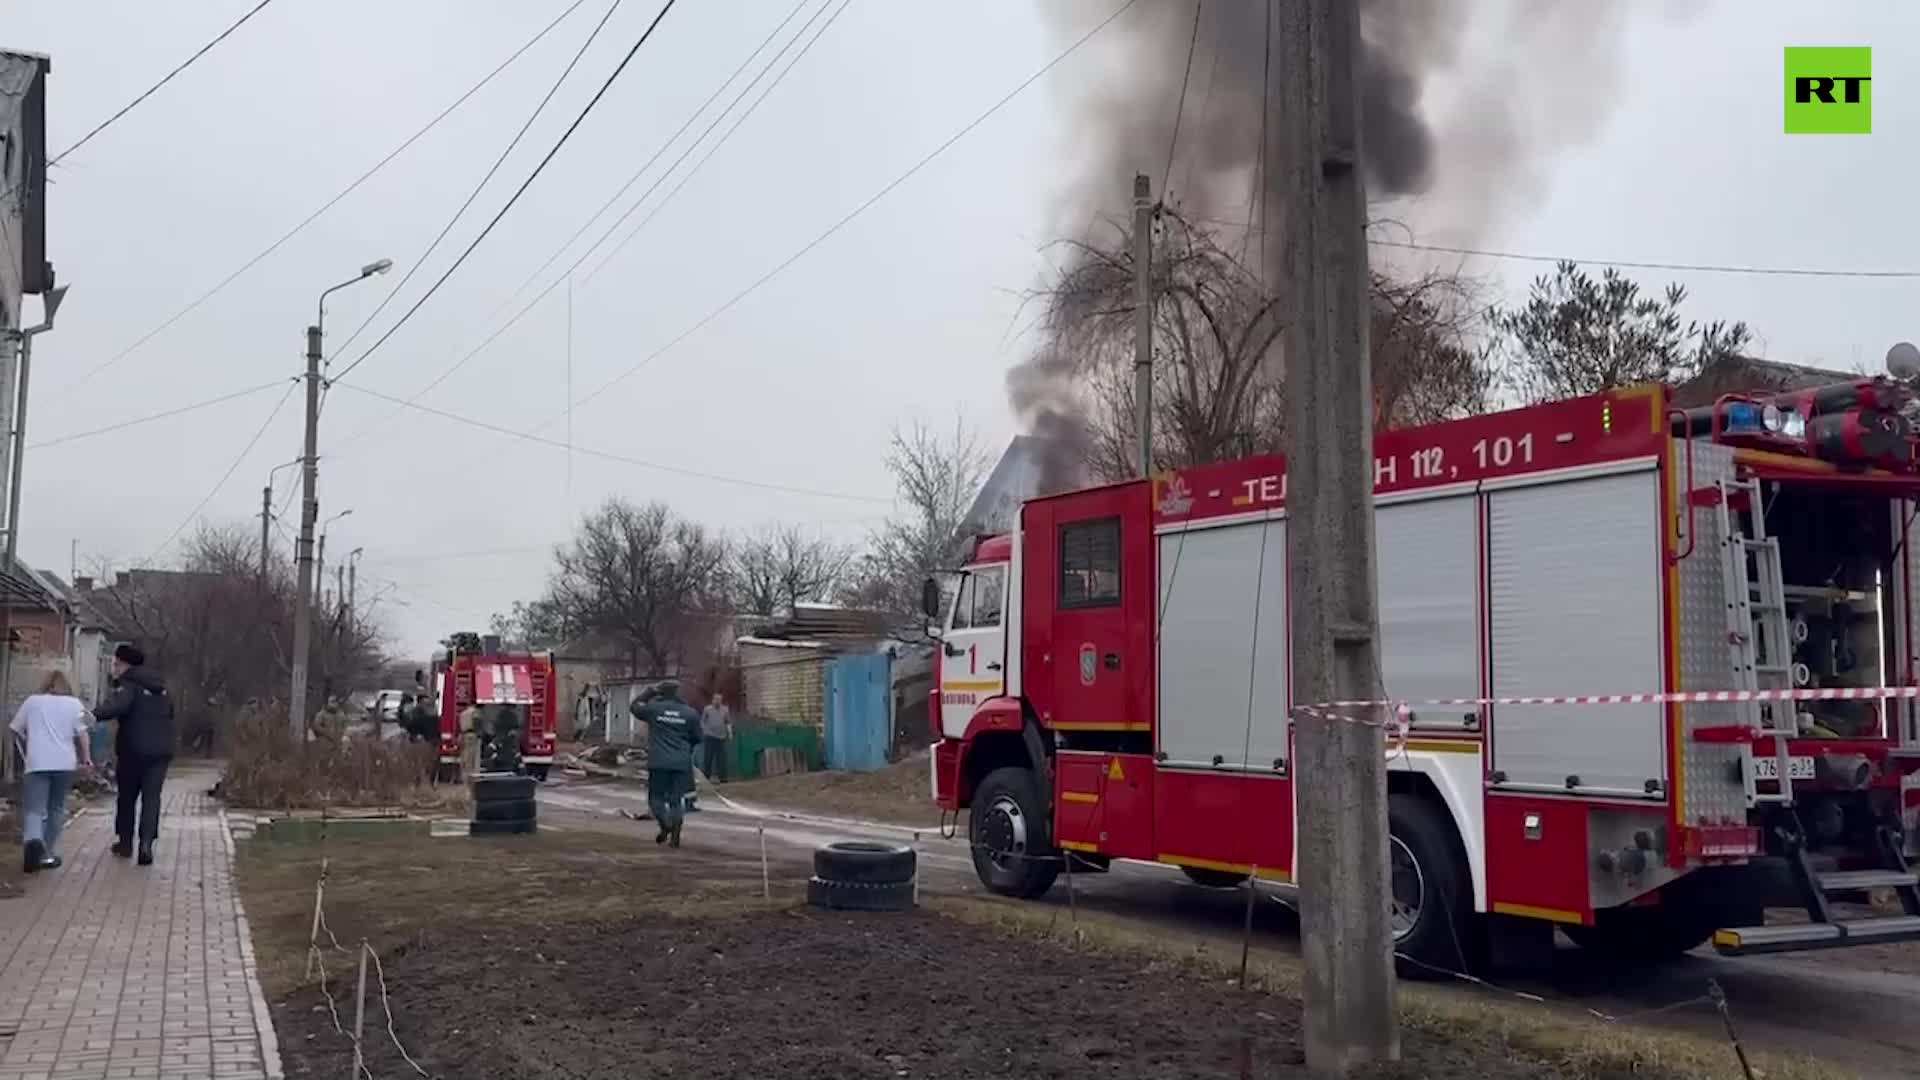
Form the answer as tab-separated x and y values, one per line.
1114	676
474	670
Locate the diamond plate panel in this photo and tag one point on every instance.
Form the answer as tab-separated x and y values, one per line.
1711	791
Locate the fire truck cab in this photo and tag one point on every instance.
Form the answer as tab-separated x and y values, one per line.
1655	668
474	670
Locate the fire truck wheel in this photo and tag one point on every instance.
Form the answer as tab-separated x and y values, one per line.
863	861
1007	830
488	789
505	810
1214	879
1429	906
538	772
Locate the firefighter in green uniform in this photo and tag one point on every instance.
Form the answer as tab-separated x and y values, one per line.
673	726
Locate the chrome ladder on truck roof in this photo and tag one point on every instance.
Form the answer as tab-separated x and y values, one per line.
1760	636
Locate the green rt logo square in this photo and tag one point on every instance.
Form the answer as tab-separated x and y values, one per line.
1829	90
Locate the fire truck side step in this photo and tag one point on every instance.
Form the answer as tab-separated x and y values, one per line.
1851	880
1796	937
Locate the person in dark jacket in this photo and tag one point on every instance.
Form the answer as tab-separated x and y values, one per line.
142	746
673	727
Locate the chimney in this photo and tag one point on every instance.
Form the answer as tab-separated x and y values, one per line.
83	584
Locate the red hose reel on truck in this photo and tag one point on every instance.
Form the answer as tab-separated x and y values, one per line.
1858	424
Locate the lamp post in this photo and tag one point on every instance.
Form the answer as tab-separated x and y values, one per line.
266	516
309	506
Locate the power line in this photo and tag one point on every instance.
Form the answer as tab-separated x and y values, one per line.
149	91
228	475
592	36
453	368
326	206
722	141
655	156
522	190
1625	264
1173	142
151	417
604	455
870	202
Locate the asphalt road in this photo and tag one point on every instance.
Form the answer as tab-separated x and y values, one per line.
1835	1005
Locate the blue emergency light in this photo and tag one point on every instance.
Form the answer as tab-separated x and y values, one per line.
1742	418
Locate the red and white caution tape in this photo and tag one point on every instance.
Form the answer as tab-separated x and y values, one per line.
1676	697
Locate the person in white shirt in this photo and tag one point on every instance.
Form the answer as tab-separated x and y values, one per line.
51	732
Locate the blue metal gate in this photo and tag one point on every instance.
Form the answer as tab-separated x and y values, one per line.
857	722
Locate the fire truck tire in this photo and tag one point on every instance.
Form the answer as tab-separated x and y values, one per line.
506	810
860	896
864	862
1213	879
1013	852
1431	907
488	789
538	772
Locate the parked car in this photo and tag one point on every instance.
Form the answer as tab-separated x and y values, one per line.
387	704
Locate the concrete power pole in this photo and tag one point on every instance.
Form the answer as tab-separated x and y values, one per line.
303	553
266	522
1143	318
1315	198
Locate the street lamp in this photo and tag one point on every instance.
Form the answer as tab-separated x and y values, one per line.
320	558
309	508
266	515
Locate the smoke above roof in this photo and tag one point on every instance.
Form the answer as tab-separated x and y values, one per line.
1465	104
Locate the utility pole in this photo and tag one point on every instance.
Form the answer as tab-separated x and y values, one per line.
1143	318
266	522
1316	198
17	452
303	549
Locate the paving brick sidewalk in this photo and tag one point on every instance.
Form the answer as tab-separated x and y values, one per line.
110	970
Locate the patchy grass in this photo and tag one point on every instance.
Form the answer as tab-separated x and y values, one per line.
898	794
1567	1045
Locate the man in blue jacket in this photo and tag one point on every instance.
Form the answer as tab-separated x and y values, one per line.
142	747
673	727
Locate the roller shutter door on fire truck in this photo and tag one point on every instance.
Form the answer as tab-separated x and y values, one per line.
1574	573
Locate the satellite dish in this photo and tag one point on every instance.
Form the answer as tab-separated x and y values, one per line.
1903	361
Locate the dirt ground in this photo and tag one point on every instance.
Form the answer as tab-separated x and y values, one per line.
900	794
565	955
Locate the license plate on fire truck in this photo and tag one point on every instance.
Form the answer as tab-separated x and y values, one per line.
1799	767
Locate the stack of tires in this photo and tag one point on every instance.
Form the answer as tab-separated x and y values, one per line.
502	805
860	875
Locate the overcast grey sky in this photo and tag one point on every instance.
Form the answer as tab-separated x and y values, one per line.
903	314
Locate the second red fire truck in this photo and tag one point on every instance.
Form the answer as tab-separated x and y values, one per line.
1113	676
475	671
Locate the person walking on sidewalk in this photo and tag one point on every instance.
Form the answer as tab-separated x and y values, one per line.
143	747
672	728
53	726
716	730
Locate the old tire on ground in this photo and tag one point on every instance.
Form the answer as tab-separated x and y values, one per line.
506	810
864	861
1007	829
501	828
1637	937
860	896
1430	907
1214	879
502	788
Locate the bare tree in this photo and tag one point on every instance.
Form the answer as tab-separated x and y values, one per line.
221	634
781	566
643	577
936	478
1217	393
1578	335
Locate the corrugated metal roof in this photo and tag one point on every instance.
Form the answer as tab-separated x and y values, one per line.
1747	373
